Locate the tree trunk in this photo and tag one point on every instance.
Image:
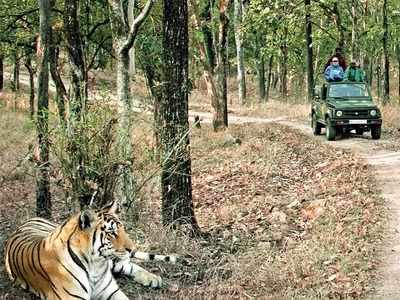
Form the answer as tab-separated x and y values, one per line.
132	56
284	70
338	21
1	72
77	102
61	97
176	185
241	74
28	65
386	85
16	72
221	68
371	72
126	185
261	78
310	70
43	200
379	79
398	67
269	78
354	49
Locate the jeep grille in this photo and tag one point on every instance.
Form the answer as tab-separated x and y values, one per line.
356	114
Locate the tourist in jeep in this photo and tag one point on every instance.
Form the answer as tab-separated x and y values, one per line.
354	72
339	55
334	72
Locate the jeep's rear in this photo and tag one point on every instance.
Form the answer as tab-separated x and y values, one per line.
346	106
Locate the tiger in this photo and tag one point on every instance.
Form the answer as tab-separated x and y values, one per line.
78	259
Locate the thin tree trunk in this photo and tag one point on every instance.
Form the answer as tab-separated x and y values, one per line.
77	102
16	72
338	21
269	78
61	97
353	31
371	72
28	65
43	197
309	45
261	78
176	185
241	74
126	186
1	72
284	70
386	83
221	68
398	67
132	56
379	80
214	74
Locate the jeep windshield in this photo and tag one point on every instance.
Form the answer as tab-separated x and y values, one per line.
348	90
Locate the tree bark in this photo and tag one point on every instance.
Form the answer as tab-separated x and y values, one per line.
339	26
1	72
126	185
269	78
260	66
309	45
241	74
221	68
16	72
398	67
176	185
284	65
386	84
261	78
354	54
215	65
43	197
61	97
77	102
28	65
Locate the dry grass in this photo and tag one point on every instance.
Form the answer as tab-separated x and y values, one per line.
238	189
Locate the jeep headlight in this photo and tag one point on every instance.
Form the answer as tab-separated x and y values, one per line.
373	113
339	113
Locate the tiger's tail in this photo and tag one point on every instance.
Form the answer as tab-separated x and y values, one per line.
172	259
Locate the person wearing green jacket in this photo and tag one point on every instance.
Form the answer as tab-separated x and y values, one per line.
354	73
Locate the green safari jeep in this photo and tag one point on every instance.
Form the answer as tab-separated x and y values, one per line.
344	106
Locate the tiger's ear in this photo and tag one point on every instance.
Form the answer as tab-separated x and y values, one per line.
86	220
112	208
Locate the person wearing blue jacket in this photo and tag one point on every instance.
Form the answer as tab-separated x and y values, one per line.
334	72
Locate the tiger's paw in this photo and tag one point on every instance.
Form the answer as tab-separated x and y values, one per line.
148	279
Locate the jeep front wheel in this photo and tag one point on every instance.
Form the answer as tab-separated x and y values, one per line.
330	131
376	132
316	127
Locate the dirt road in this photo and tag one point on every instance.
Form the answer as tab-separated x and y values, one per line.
387	169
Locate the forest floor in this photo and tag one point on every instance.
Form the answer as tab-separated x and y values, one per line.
288	216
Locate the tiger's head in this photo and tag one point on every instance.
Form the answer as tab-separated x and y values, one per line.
102	234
